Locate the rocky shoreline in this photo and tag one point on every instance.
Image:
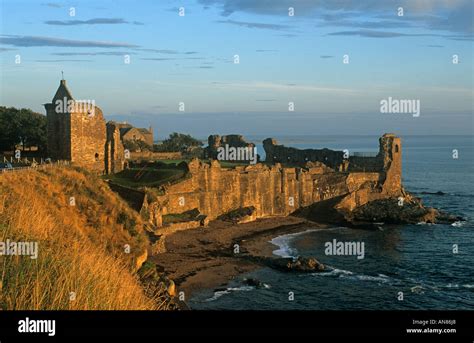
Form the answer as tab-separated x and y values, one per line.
212	256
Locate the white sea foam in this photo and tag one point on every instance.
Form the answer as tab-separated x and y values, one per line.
283	242
458	223
346	274
218	294
418	289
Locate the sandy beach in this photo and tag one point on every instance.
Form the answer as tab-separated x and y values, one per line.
206	257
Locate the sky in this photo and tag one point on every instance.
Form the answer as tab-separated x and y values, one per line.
140	61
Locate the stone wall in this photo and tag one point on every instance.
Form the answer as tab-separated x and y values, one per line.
88	137
114	151
272	191
138	134
76	130
388	157
59	126
276	153
150	155
216	141
278	191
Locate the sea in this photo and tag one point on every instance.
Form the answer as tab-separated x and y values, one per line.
406	267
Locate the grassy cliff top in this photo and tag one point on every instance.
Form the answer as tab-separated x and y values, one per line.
82	230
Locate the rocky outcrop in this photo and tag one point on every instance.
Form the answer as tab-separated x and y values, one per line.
140	259
240	216
301	264
396	211
159	288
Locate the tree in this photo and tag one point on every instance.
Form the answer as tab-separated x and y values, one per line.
178	142
136	145
22	126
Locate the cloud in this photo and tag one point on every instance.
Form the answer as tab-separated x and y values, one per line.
288	35
368	24
252	25
265	50
381	34
157	59
58	61
171	58
99	53
326	56
389	34
448	15
288	87
34	41
160	51
52	4
95	21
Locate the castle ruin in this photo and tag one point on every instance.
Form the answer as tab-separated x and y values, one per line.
77	132
277	190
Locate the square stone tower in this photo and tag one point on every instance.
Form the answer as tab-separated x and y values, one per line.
76	130
391	151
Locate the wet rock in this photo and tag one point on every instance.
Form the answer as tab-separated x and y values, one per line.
301	264
392	211
254	282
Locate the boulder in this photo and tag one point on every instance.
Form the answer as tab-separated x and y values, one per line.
254	282
391	211
301	264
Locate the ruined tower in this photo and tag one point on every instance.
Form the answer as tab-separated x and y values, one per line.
76	130
391	151
114	150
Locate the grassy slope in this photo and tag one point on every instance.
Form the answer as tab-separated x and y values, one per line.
81	247
150	177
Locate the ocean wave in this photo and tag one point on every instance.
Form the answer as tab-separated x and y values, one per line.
283	242
220	293
458	223
455	285
425	223
341	273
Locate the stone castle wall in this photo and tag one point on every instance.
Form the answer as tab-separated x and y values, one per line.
58	131
114	150
276	153
88	139
77	132
272	191
216	141
278	191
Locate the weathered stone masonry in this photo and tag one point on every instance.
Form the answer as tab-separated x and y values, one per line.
277	191
79	134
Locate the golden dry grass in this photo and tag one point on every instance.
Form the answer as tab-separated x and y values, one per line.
80	248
